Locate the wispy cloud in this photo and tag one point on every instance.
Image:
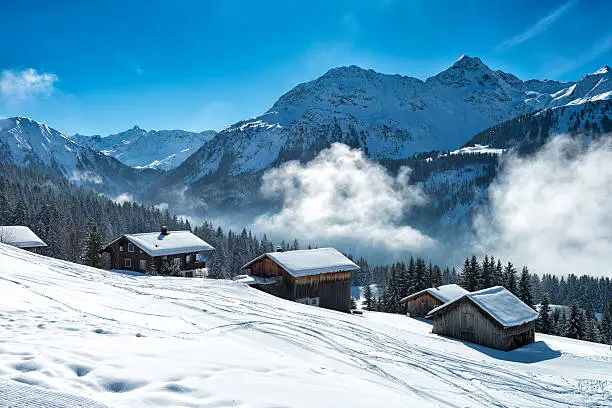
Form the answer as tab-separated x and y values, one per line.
562	65
551	210
539	27
19	85
341	196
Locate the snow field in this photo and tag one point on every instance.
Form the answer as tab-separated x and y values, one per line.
125	341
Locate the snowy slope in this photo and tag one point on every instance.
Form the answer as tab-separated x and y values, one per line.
389	116
155	149
153	341
25	142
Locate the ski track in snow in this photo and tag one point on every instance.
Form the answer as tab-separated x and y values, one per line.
54	309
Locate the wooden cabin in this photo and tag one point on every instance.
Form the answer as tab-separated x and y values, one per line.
316	277
492	317
21	237
419	304
165	252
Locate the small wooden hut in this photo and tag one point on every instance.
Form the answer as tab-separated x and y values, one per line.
420	303
20	237
492	317
317	277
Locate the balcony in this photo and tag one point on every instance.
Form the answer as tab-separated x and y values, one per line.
194	265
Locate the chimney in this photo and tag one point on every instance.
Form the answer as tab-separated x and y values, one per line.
164	230
279	249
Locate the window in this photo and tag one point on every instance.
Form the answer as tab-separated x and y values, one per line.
177	262
188	259
130	247
128	263
120	248
143	265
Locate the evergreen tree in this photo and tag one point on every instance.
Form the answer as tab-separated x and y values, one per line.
353	303
575	325
510	278
467	278
476	273
545	319
606	325
91	255
561	329
524	289
368	298
498	276
591	332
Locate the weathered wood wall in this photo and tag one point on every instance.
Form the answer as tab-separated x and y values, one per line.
420	305
332	289
464	320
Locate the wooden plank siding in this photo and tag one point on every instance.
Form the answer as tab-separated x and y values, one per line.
332	289
466	321
118	258
420	305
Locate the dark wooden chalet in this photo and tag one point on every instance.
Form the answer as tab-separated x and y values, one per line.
164	252
20	237
491	317
420	303
317	277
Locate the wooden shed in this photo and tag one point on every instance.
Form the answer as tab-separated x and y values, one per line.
21	237
317	277
419	304
159	253
492	317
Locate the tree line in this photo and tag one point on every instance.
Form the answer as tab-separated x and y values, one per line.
577	300
76	222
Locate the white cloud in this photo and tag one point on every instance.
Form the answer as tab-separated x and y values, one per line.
341	195
124	198
85	177
551	211
161	206
19	85
538	27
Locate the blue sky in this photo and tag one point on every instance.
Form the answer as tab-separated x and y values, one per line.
102	67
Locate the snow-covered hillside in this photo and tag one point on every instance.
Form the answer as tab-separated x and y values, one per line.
130	341
155	149
26	142
389	116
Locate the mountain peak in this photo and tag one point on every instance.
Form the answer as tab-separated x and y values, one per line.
603	70
465	61
346	71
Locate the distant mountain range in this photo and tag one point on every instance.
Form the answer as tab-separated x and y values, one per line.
155	149
26	142
394	119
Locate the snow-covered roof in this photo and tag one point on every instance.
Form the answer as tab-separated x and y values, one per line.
20	237
175	242
309	261
444	293
499	303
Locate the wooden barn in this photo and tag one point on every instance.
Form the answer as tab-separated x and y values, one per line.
492	317
164	252
20	237
317	277
419	304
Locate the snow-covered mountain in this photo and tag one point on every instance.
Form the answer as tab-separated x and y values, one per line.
388	116
26	142
155	149
82	336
